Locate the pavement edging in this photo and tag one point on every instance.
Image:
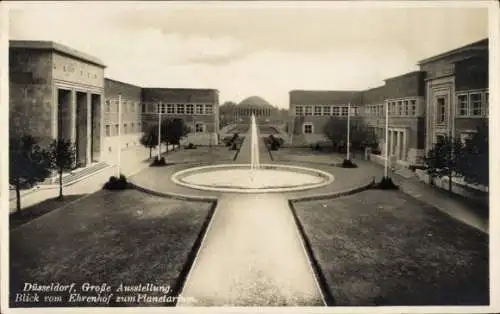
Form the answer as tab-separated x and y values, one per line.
174	195
352	190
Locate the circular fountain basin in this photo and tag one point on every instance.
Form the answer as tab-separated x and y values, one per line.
240	178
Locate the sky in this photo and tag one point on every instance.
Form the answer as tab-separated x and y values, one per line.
251	48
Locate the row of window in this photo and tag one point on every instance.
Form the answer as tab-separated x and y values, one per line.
325	110
126	129
405	107
133	106
199	127
126	105
472	104
188	109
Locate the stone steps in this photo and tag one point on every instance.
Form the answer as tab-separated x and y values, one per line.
75	176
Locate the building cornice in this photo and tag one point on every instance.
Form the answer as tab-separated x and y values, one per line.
55	47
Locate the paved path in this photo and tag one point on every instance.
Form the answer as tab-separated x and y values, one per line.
252	254
133	161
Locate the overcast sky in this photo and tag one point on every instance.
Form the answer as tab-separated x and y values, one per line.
248	48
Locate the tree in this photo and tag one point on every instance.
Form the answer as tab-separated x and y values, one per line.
173	130
473	163
150	139
443	159
360	135
62	156
28	164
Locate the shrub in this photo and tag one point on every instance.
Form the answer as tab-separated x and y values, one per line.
158	162
386	184
347	163
190	146
116	184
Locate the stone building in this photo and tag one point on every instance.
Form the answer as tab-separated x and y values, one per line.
56	92
457	94
130	129
199	108
447	96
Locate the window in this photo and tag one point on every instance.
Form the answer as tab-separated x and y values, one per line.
400	108
189	109
143	108
344	111
199	109
486	104
299	110
327	110
170	109
405	108
132	128
413	107
441	110
116	129
394	108
132	106
463	105
308	110
125	128
199	127
336	110
439	139
179	109
476	104
317	110
308	128
108	130
108	105
208	109
162	108
467	136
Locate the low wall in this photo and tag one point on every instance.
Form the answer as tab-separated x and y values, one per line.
474	192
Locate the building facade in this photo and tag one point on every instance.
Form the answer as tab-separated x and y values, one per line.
199	108
457	94
447	96
58	92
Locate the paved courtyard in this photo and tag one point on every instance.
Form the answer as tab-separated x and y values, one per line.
371	248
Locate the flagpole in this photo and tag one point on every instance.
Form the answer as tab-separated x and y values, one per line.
386	138
348	128
159	131
119	135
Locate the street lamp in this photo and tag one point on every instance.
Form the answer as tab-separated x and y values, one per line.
159	130
118	166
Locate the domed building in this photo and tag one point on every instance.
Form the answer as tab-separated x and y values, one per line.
240	113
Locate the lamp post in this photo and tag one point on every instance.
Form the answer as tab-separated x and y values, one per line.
348	129
386	163
118	166
159	131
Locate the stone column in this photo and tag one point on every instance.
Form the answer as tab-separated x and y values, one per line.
89	126
73	116
398	145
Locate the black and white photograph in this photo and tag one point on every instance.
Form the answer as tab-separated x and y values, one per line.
248	155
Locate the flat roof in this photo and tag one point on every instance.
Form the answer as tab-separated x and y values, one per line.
478	45
53	46
404	75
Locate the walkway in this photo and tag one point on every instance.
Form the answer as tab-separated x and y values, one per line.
432	196
252	254
133	160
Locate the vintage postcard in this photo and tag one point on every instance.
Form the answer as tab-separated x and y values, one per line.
241	156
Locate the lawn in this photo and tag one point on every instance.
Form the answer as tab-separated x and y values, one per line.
386	248
110	237
27	214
